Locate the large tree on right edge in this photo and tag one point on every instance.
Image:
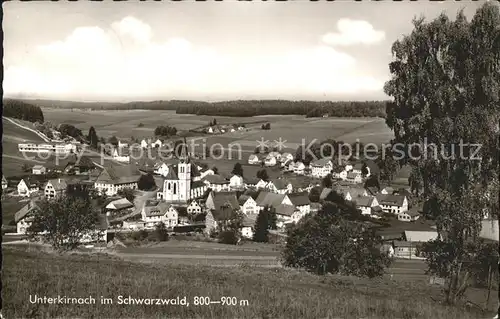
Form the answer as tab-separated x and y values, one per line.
445	87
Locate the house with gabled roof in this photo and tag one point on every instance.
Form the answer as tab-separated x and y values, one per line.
270	160
301	202
5	184
23	217
220	216
216	182
38	170
119	204
387	190
265	198
27	186
322	167
55	188
248	205
354	177
253	159
161	168
236	182
194	208
114	178
160	212
121	155
247	227
280	186
216	200
297	167
285	157
392	203
351	193
365	204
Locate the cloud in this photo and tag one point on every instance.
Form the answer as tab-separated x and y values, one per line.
123	61
353	32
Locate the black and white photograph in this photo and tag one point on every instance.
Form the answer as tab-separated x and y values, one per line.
250	159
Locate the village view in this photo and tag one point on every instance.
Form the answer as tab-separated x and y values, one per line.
258	208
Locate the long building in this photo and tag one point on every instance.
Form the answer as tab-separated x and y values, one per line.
58	148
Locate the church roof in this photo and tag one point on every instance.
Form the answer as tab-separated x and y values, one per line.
172	175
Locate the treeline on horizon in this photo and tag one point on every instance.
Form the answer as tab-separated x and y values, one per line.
245	108
22	110
237	108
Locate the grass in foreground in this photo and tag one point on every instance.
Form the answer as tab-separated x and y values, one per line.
270	293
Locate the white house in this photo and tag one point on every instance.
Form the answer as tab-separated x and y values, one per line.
351	193
158	143
277	155
301	202
395	204
122	145
357	168
39	170
119	205
205	172
280	186
194	208
144	143
247	227
321	167
248	205
284	215
26	188
161	168
5	184
210	130
159	213
387	190
216	182
354	178
55	188
253	159
115	178
297	167
270	160
286	157
121	155
236	182
262	184
22	217
409	216
272	199
217	200
365	204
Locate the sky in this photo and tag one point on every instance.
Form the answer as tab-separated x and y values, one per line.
125	51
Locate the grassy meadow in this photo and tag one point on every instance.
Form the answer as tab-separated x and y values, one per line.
292	128
271	293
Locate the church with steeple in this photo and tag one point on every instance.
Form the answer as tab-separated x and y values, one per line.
178	186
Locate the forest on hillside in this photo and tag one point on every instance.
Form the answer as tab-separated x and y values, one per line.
236	108
244	108
22	111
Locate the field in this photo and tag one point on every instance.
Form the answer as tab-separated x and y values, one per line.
292	128
260	292
13	160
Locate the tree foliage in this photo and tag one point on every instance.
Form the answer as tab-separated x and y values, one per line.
128	193
237	169
328	243
261	233
63	221
113	140
22	110
160	232
445	86
92	137
146	182
165	130
262	174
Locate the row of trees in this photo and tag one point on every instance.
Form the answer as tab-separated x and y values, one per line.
244	108
22	110
266	126
165	130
